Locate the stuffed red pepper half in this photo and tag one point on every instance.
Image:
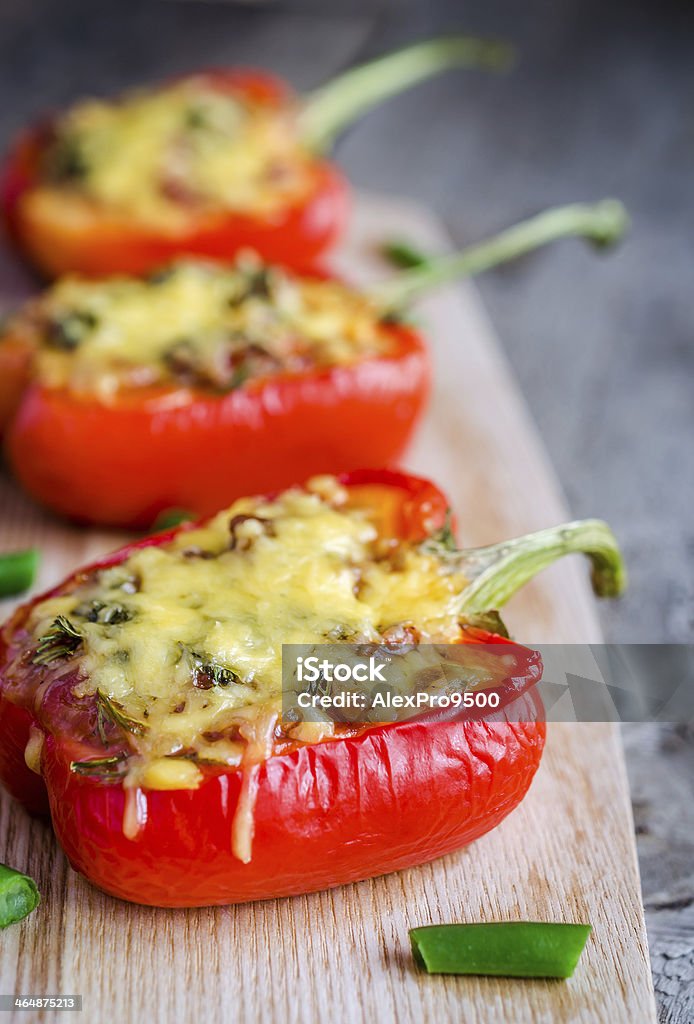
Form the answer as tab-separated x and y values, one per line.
141	699
206	164
203	382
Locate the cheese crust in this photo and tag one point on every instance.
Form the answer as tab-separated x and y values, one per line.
195	324
188	149
181	643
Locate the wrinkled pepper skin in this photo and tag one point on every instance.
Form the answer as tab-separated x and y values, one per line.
103	242
326	814
122	463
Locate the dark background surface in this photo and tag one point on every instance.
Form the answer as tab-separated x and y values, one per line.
601	103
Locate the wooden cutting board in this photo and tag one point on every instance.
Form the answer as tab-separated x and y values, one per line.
567	853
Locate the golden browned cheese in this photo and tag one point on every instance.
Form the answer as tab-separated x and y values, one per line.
160	155
186	638
195	324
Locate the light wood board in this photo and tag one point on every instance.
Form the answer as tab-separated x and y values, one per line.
567	853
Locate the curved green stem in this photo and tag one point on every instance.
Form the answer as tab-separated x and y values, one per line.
602	223
330	109
496	572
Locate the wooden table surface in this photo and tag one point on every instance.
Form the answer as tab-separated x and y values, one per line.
600	103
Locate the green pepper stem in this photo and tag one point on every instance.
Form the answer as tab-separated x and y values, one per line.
330	109
18	896
496	572
602	223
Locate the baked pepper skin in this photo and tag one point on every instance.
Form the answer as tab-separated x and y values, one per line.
326	814
103	242
15	376
147	450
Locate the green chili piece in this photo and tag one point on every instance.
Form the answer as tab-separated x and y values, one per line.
171	517
512	949
18	896
403	254
17	571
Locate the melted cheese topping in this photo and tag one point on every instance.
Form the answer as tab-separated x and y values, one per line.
185	639
195	324
187	148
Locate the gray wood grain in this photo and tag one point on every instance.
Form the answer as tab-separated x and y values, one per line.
601	103
660	761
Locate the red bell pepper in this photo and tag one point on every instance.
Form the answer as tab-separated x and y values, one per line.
99	238
123	463
124	460
378	799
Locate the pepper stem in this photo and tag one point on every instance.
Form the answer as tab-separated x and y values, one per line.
498	571
602	223
330	109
